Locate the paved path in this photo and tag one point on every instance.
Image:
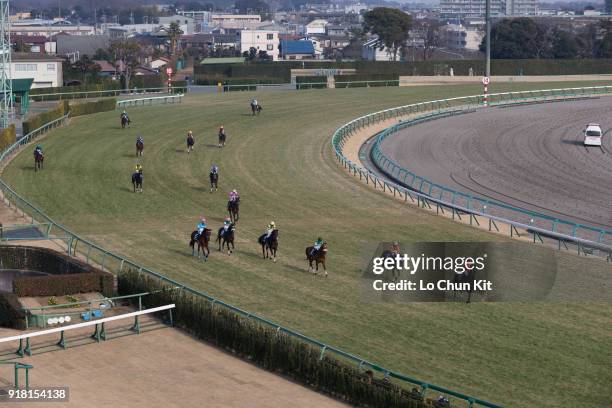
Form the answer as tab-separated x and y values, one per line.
529	156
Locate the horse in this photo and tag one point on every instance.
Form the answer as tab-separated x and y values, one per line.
39	159
222	138
318	257
125	121
214	181
395	272
270	244
256	109
190	143
226	239
139	147
137	181
233	207
468	276
202	242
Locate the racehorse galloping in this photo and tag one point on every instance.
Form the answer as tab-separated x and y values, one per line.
39	159
233	207
226	238
214	181
139	147
222	138
190	143
125	121
202	242
256	109
318	258
137	181
468	276
269	245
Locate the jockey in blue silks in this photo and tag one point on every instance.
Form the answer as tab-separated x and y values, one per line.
201	227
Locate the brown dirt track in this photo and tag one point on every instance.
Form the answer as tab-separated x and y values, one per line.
529	156
160	368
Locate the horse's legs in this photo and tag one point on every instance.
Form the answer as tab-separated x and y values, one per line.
273	254
324	268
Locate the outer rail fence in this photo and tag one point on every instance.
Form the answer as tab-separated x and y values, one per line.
150	101
106	93
115	263
417	189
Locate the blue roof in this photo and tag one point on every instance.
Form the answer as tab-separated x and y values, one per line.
297	47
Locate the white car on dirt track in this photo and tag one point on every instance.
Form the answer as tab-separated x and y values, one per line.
592	135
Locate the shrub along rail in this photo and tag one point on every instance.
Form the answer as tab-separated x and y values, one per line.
195	301
426	194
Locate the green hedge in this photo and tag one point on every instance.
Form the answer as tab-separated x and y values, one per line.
7	137
146	81
272	350
238	81
102	105
61	285
11	314
359	80
282	69
103	86
43	118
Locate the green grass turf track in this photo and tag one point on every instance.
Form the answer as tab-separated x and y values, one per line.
281	162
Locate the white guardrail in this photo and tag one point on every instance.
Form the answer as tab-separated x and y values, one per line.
151	101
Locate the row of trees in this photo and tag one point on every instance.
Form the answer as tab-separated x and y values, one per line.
525	38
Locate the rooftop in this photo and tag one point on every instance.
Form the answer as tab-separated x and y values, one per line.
26	56
297	47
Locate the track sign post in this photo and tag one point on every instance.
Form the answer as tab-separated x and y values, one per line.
485	82
169	72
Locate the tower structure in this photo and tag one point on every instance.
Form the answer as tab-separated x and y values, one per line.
6	91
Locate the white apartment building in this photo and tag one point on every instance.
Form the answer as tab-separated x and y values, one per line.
260	40
469	8
51	30
46	70
235	20
521	7
458	37
315	27
187	24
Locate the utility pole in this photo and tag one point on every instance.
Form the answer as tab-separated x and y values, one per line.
488	36
6	86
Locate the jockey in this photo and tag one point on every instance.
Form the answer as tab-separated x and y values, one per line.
214	169
190	134
139	139
317	245
271	227
38	150
254	102
138	168
125	115
234	196
227	223
201	227
221	130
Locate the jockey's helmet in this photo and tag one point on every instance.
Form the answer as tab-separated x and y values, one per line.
234	191
190	132
227	219
221	127
319	239
272	224
203	219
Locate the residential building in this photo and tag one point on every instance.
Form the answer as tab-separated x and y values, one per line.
261	40
297	50
460	9
521	7
315	27
235	20
159	63
49	28
187	24
374	50
106	68
35	43
45	70
458	37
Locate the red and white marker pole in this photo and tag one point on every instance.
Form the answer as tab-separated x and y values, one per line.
485	82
